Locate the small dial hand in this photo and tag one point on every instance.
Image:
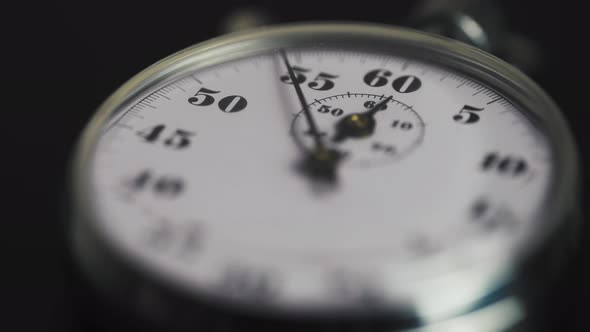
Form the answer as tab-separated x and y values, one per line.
321	161
358	125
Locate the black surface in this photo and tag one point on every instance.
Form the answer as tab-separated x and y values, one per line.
63	59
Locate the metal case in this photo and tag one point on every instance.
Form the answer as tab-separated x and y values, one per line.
509	286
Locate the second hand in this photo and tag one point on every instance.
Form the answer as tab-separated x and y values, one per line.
321	161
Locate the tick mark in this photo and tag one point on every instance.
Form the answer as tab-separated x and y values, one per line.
159	93
197	80
478	92
495	100
124	126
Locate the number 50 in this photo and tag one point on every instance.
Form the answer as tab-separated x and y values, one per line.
229	104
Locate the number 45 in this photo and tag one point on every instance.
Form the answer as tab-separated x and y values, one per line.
177	139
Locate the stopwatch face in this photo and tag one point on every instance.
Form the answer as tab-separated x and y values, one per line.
441	178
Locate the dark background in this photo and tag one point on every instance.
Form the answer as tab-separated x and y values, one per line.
64	58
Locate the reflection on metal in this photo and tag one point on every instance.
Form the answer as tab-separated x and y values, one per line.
473	31
500	316
480	23
245	18
473	22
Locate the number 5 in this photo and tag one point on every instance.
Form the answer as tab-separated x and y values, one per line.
201	98
325	78
467	115
299	75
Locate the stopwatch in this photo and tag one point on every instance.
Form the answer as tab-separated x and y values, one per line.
326	176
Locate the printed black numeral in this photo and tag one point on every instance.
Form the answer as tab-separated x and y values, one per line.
242	281
231	104
180	240
328	110
385	148
299	75
161	186
377	77
406	84
178	139
354	287
322	82
468	115
403	84
228	104
371	103
203	97
403	125
492	217
504	165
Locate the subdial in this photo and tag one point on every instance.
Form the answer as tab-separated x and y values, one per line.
370	130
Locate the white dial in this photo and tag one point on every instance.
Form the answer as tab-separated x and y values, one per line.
200	179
